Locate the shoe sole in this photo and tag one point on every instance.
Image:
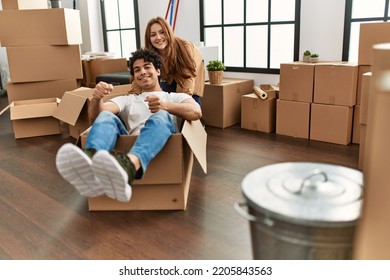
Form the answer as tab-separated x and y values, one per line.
112	176
75	167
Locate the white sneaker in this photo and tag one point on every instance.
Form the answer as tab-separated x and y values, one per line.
113	177
75	167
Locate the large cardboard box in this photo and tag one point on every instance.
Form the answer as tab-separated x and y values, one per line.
258	114
221	104
73	108
293	118
331	123
362	70
24	4
166	184
371	34
296	82
44	63
36	90
374	224
336	84
94	67
365	92
40	27
32	118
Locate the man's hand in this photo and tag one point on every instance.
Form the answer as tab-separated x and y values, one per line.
102	89
155	103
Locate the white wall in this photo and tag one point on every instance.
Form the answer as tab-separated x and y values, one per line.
322	27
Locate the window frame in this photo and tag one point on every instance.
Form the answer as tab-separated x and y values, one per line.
105	31
348	20
268	70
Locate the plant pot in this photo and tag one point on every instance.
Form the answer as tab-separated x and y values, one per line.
306	58
313	59
215	77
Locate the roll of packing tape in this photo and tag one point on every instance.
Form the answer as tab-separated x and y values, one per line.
260	93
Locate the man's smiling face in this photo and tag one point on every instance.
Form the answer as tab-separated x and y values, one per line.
145	74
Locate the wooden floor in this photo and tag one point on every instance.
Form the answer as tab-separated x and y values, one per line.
43	217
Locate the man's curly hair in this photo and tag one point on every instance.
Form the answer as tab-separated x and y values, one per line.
147	56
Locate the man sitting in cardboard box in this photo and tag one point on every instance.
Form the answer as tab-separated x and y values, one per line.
98	169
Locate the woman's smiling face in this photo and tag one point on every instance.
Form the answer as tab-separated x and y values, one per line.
157	36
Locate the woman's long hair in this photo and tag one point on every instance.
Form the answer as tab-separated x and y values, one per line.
178	63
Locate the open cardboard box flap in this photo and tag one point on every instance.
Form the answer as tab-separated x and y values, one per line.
72	102
196	138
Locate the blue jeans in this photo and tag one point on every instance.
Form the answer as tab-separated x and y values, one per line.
107	127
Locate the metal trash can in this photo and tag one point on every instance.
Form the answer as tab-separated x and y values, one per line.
302	210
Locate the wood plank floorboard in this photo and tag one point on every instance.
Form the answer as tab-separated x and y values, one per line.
43	217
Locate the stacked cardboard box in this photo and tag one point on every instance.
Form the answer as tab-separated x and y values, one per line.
316	101
295	98
221	104
334	99
43	52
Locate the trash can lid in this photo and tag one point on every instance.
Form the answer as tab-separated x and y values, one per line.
306	193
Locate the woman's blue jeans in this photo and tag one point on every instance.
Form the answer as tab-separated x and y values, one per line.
152	138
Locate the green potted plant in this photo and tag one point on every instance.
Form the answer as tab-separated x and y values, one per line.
215	70
306	56
314	57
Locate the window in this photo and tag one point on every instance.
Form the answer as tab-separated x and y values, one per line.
252	35
120	26
357	12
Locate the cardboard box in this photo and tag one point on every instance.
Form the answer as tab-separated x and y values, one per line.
258	114
371	34
336	84
374	224
221	104
32	118
94	67
36	90
73	108
365	92
293	118
296	82
24	4
331	123
44	63
362	70
166	183
356	125
40	27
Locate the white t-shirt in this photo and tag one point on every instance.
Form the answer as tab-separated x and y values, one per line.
134	111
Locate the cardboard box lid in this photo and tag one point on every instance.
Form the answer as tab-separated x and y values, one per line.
71	105
73	102
196	138
33	108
